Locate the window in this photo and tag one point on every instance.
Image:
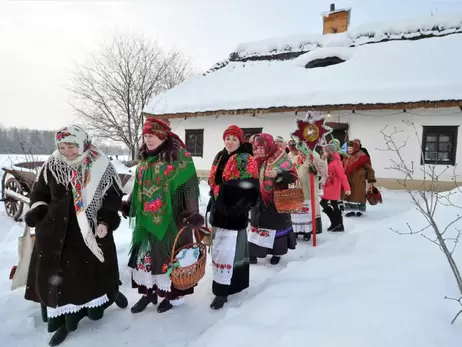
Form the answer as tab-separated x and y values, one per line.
439	144
251	131
195	142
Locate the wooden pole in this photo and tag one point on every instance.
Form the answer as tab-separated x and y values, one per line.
313	203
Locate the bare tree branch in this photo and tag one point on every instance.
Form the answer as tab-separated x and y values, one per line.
112	90
460	312
427	198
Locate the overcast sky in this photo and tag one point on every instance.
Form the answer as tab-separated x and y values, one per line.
40	41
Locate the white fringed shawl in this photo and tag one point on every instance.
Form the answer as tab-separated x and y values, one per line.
89	176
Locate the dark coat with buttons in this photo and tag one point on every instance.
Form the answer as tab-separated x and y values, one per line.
62	269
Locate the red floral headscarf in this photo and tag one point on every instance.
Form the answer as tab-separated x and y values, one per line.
161	129
269	156
263	147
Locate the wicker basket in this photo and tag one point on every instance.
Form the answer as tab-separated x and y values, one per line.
187	277
289	200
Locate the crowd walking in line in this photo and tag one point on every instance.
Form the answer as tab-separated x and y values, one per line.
77	203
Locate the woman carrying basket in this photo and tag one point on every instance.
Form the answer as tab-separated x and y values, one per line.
271	232
234	190
165	188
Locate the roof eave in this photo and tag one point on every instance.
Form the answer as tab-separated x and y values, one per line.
333	107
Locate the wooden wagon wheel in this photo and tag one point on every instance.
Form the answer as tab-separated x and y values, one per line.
13	207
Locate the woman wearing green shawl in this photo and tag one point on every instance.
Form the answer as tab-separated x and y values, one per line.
166	187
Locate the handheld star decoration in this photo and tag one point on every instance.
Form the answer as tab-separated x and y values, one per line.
311	132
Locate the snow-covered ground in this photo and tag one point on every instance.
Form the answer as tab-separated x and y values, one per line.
367	287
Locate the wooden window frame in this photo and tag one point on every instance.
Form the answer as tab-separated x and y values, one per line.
251	131
451	131
198	132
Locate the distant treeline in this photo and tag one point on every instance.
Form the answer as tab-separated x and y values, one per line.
28	141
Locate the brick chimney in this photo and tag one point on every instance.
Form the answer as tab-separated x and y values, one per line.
336	21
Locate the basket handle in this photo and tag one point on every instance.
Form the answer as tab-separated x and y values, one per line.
196	235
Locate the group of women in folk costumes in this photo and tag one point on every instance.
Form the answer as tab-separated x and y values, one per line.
346	176
243	179
75	205
356	166
77	196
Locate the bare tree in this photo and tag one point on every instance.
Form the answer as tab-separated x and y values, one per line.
116	85
427	198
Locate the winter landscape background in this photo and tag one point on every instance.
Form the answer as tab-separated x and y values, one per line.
366	287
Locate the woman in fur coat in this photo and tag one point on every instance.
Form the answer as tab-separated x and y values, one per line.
359	170
166	189
271	232
74	208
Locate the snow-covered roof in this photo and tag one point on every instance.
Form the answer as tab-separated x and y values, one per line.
412	61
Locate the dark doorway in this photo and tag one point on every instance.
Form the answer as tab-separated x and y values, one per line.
340	131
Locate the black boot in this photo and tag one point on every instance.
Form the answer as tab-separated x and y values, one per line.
338	222
329	212
307	236
142	303
359	214
275	260
218	302
58	337
164	306
253	260
121	300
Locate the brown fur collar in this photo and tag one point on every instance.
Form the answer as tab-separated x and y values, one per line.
168	151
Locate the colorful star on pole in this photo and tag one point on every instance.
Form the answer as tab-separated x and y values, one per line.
312	132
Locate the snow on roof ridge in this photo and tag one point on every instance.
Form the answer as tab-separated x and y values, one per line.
410	28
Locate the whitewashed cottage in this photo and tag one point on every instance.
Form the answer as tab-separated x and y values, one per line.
363	79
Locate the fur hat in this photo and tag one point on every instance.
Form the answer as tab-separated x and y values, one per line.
156	127
234	130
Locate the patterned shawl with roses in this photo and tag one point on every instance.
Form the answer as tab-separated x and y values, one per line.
273	158
239	166
154	191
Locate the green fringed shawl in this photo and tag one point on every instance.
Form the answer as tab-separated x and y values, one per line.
154	193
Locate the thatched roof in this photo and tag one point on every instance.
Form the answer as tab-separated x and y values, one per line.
406	64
